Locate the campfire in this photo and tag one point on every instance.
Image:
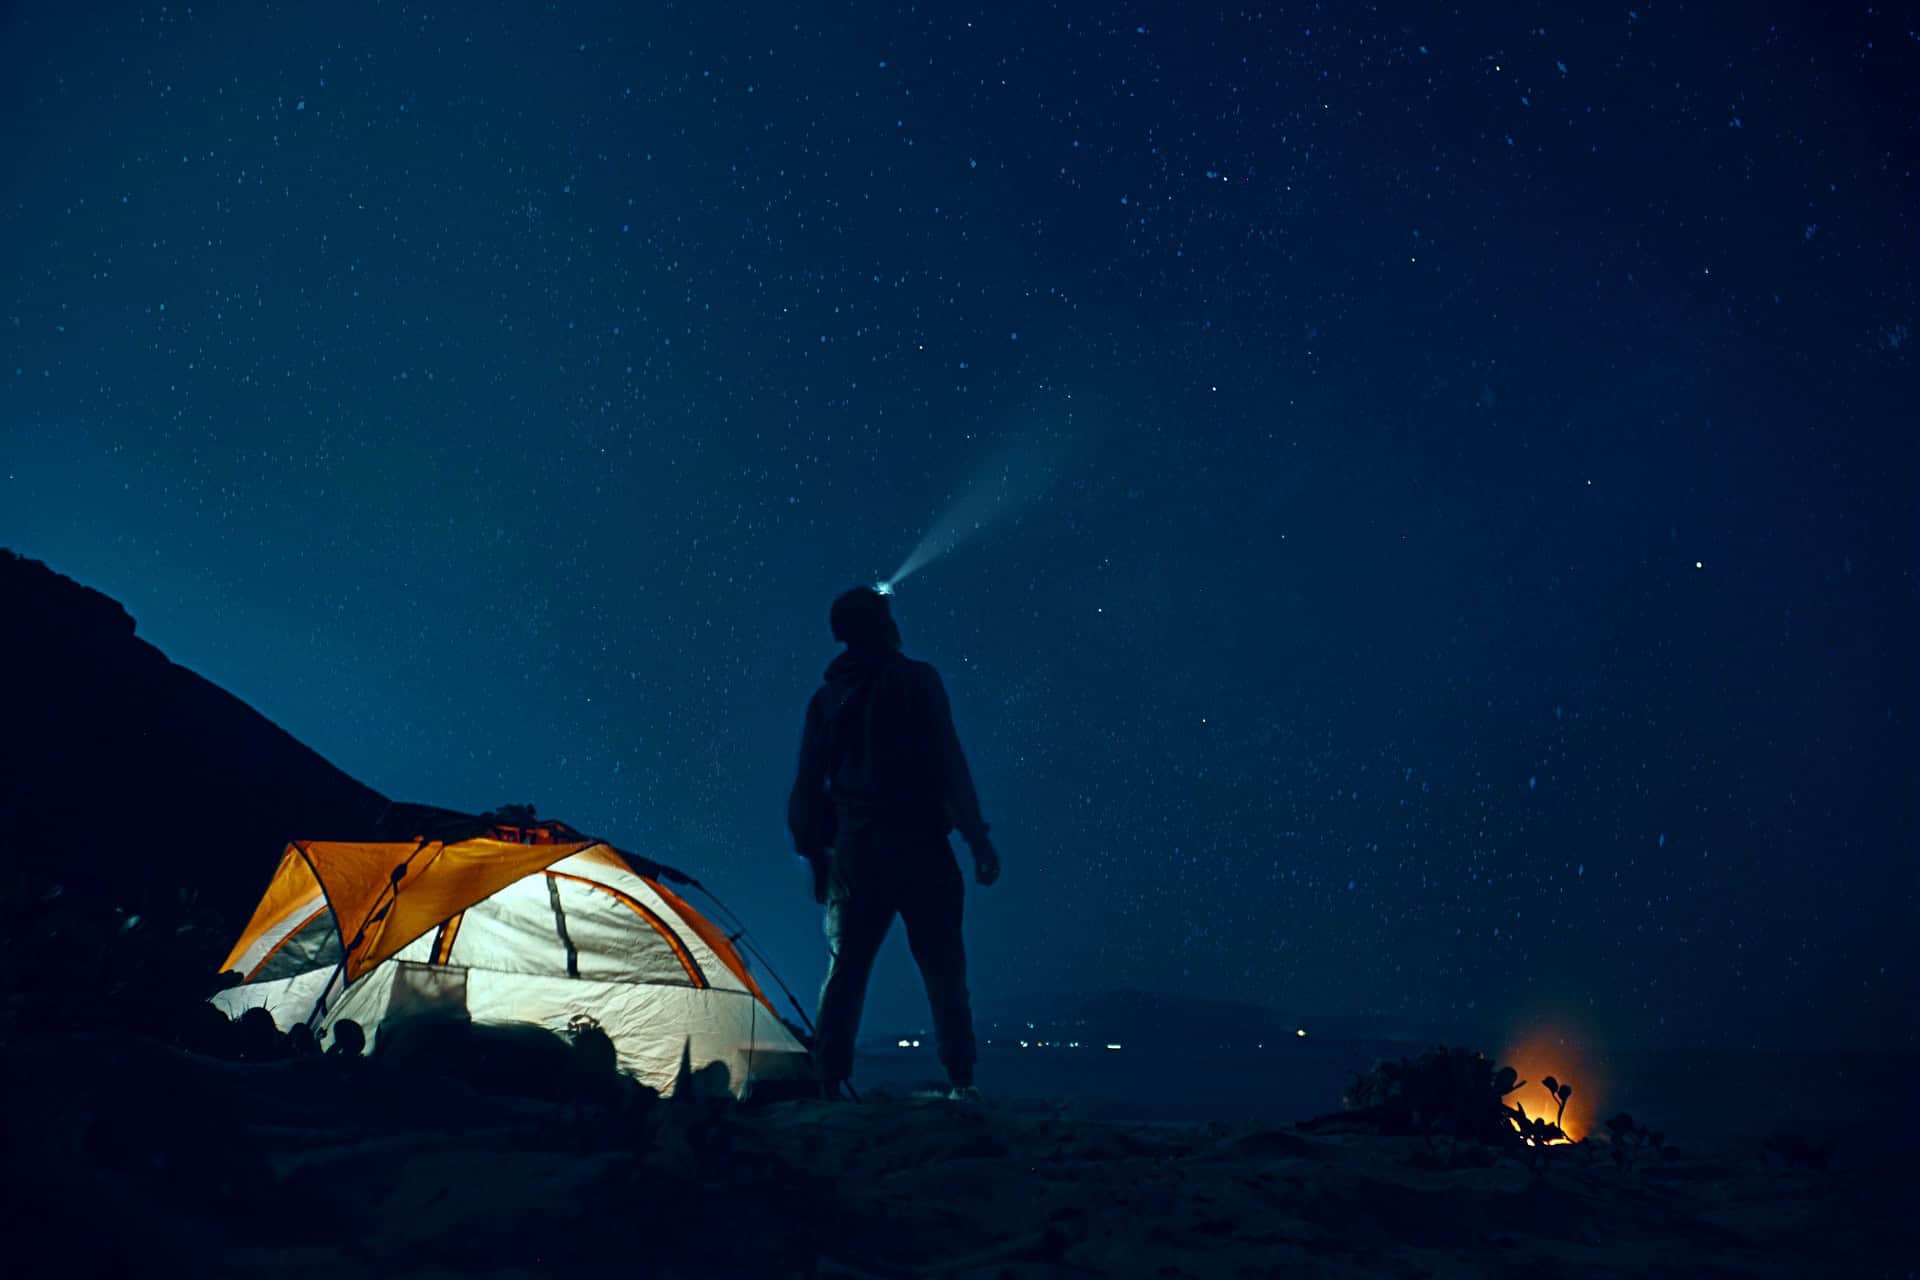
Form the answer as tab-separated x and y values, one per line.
1543	1053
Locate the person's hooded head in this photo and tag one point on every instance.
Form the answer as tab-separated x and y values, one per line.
863	621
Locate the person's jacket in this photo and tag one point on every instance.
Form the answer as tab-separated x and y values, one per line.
879	746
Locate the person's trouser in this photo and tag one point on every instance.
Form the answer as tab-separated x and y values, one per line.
876	875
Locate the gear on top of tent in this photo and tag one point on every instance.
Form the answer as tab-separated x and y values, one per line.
509	921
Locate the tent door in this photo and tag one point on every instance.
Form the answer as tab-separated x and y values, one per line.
426	989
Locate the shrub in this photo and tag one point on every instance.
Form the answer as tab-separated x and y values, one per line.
1632	1140
1444	1093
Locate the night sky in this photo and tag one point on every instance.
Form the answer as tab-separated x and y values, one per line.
1446	484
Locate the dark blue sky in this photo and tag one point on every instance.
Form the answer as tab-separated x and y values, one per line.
1477	580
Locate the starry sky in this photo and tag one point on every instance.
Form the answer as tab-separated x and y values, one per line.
1438	490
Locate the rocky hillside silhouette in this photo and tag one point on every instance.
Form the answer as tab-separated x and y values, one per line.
124	774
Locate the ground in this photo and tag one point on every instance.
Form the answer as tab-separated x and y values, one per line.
139	1156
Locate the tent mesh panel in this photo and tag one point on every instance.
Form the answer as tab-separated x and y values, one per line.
314	945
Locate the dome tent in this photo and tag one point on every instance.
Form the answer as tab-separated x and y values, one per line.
508	923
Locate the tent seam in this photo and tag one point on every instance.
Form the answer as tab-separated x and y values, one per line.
646	913
560	923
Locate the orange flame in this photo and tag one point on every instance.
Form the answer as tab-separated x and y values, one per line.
1539	1052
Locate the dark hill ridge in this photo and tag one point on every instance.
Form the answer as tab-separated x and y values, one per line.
121	770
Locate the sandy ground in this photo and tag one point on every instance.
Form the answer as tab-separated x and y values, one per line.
131	1156
992	1192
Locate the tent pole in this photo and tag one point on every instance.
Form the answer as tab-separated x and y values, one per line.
320	1002
742	936
347	948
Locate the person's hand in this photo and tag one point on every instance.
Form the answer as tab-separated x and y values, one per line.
986	863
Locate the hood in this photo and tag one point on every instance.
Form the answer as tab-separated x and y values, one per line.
855	667
850	676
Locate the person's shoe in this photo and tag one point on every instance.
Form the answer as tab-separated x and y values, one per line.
965	1093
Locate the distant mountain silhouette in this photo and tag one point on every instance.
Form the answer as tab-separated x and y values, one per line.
1175	1019
1158	1016
123	772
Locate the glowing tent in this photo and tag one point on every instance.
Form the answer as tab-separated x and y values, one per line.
524	924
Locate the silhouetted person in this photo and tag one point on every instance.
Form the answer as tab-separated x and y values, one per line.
882	781
258	1037
349	1039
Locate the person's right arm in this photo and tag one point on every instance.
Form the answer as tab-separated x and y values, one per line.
809	807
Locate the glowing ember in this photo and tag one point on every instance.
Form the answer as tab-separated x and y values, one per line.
1555	1051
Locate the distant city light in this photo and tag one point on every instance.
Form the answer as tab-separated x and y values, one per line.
1113	1046
1301	1032
906	1044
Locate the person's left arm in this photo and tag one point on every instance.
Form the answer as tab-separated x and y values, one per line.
963	802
